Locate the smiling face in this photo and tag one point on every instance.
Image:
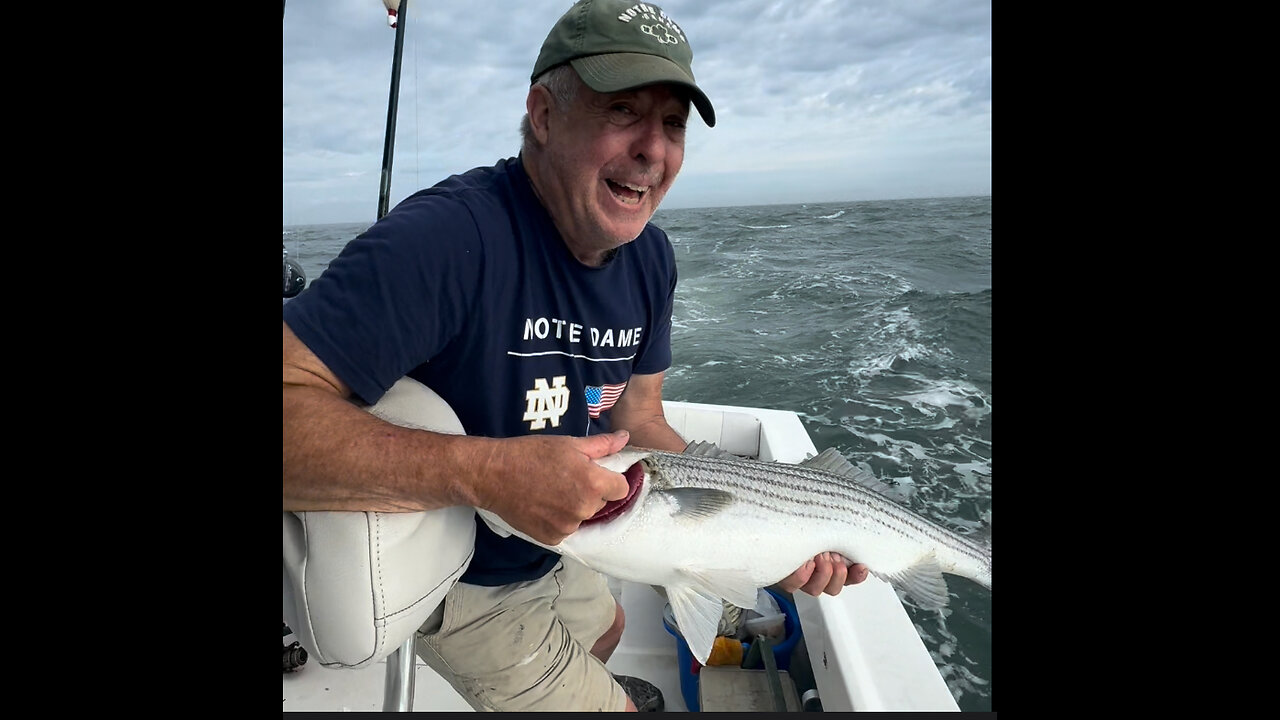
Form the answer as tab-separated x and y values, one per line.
602	165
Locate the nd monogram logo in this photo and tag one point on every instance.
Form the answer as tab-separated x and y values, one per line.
546	403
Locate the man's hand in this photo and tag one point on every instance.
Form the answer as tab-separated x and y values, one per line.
828	572
549	484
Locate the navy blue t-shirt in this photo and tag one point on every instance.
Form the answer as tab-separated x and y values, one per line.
468	288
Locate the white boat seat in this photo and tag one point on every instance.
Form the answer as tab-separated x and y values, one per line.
358	584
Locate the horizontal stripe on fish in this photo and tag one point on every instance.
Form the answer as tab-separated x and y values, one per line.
796	490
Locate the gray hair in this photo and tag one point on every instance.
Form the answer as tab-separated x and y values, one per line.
563	82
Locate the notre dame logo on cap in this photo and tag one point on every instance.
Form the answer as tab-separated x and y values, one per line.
654	22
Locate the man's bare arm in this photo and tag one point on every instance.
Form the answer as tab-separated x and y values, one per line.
338	456
639	411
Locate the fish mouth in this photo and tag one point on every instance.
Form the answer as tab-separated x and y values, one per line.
613	508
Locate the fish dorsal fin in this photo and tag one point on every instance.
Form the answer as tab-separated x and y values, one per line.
698	617
735	586
830	460
923	581
701	448
697	503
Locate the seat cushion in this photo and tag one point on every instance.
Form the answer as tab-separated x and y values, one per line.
358	584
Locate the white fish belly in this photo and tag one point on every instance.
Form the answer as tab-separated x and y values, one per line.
658	547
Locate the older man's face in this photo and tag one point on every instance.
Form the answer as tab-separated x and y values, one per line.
612	157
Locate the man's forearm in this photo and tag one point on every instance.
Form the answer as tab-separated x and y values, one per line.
340	457
656	434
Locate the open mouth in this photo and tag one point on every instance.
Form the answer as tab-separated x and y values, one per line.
613	508
626	192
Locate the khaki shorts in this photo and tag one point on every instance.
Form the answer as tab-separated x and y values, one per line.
526	646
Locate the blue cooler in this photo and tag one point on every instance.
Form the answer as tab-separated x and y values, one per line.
689	666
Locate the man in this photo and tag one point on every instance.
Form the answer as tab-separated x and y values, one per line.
536	299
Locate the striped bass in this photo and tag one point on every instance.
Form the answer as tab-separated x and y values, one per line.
711	527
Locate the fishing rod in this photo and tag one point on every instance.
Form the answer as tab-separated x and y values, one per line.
295	280
395	11
401	663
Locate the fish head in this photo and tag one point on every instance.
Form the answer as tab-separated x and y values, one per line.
624	459
630	463
598	534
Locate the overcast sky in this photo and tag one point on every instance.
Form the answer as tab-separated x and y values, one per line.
816	100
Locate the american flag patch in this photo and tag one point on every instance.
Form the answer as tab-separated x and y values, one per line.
602	397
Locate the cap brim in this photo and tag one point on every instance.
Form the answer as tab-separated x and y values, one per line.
615	72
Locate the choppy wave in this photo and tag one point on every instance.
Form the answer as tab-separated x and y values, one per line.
877	330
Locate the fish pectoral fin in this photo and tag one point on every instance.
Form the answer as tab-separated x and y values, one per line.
922	581
735	586
698	617
697	503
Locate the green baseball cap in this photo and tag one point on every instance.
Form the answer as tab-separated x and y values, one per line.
619	45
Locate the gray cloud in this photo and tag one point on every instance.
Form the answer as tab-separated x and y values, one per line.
815	99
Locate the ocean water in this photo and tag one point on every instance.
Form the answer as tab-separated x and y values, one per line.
872	321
